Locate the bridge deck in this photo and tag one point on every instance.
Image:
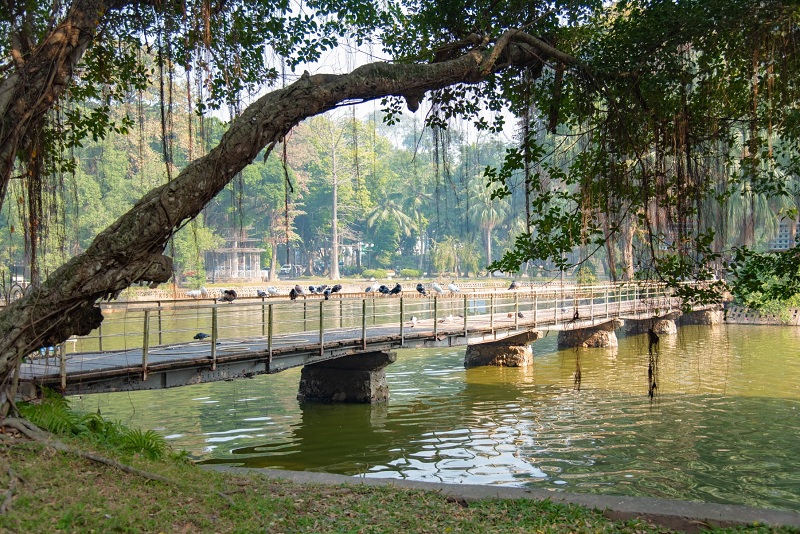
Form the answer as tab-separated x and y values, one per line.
225	358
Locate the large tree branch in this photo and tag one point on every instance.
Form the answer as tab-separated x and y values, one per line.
130	250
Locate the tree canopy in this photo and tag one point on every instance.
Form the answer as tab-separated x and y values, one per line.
649	118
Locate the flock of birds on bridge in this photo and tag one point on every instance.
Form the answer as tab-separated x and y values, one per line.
229	295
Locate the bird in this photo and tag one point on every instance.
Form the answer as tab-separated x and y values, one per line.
520	315
272	290
261	293
414	321
513	285
197	293
201	336
576	316
336	288
396	290
421	289
229	295
436	287
383	290
453	287
293	294
298	290
368	289
312	290
326	292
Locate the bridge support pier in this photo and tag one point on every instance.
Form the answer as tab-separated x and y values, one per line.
596	336
664	325
702	317
513	351
359	378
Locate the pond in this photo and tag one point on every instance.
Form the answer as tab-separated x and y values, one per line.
713	415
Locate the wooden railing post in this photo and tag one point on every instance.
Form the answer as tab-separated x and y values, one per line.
160	330
341	313
606	295
402	318
270	334
100	337
364	324
145	343
516	311
491	313
535	307
264	317
62	349
214	334
591	303
321	328
435	313
466	315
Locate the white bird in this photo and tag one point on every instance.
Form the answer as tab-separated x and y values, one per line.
194	293
414	321
436	287
272	290
452	287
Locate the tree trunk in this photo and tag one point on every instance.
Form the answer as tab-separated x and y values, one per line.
131	250
335	218
39	79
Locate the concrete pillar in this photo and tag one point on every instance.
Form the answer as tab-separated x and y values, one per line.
359	378
513	351
660	325
597	336
702	317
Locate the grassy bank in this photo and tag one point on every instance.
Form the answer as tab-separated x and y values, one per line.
55	491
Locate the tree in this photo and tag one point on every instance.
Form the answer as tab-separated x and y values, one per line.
666	77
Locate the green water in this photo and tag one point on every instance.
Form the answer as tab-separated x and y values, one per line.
722	425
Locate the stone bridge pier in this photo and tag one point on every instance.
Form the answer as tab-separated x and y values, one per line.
513	351
665	324
595	336
359	378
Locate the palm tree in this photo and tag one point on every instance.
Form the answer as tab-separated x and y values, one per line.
488	214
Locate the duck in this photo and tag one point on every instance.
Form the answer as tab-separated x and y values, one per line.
421	290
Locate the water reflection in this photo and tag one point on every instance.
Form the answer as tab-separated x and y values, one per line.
710	414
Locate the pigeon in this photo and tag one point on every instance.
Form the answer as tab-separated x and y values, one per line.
519	314
229	295
513	285
414	321
336	288
453	287
383	290
396	290
272	290
298	290
421	289
368	289
261	293
293	294
312	290
326	292
201	336
197	293
436	287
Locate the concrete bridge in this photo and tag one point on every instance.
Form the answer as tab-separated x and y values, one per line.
343	343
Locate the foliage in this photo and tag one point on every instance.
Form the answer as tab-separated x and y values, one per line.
586	275
377	274
410	273
54	414
768	282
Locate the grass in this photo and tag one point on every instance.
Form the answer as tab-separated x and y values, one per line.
63	492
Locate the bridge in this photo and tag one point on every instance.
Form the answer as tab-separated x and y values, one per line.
151	345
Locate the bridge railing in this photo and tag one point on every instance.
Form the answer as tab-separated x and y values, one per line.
134	325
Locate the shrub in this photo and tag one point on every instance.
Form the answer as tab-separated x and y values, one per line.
374	273
410	273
